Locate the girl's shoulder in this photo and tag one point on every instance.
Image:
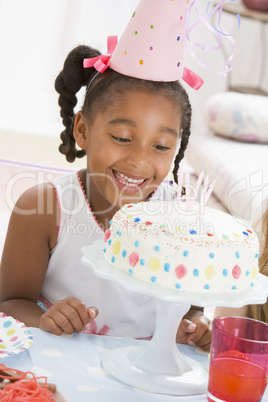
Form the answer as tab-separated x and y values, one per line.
37	210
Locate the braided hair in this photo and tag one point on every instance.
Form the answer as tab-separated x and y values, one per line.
102	89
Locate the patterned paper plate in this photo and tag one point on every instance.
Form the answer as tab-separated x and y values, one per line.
15	337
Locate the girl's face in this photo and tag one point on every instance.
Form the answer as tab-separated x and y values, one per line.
130	148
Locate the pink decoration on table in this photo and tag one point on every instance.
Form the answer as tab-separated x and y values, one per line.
181	271
93	329
133	259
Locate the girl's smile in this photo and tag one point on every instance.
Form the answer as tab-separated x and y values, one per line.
128	183
130	147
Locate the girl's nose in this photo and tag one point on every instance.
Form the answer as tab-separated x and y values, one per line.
139	158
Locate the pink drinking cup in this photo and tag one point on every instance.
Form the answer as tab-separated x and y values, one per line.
238	369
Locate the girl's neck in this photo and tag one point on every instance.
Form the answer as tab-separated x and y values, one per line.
97	203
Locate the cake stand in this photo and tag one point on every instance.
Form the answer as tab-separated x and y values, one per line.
158	366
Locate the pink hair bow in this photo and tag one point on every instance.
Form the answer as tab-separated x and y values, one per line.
102	62
192	79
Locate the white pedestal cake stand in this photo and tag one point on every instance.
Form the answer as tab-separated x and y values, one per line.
158	366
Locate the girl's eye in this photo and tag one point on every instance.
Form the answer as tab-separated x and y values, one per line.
121	139
161	148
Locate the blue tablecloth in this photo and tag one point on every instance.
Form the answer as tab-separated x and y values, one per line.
73	363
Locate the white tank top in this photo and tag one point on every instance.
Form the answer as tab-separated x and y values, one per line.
125	313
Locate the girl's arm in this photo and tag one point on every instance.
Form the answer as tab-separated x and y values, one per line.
239	312
31	234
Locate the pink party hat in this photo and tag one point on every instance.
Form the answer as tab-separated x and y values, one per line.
152	45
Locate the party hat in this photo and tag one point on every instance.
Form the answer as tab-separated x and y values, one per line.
152	45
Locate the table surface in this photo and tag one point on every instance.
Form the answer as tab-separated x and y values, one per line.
73	363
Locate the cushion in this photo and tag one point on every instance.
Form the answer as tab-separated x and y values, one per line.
239	116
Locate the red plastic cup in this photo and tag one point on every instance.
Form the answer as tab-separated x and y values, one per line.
238	368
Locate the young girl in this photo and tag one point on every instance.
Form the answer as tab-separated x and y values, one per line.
129	129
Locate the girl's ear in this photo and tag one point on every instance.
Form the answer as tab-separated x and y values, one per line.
80	130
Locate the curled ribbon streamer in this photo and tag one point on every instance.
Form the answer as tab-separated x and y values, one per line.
102	62
219	33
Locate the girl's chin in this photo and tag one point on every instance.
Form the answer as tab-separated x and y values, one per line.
128	197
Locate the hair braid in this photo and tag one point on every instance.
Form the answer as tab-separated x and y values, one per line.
186	131
69	81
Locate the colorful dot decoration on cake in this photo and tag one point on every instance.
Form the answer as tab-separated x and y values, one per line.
154	264
236	271
167	267
180	271
116	247
15	336
210	271
255	272
133	259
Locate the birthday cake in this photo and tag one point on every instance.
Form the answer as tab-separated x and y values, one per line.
175	245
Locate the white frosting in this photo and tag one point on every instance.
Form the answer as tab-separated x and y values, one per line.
171	244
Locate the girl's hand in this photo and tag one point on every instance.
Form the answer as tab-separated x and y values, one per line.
68	315
196	332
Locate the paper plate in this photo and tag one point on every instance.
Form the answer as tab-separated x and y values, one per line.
15	337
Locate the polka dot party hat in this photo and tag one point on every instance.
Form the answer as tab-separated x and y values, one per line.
152	45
